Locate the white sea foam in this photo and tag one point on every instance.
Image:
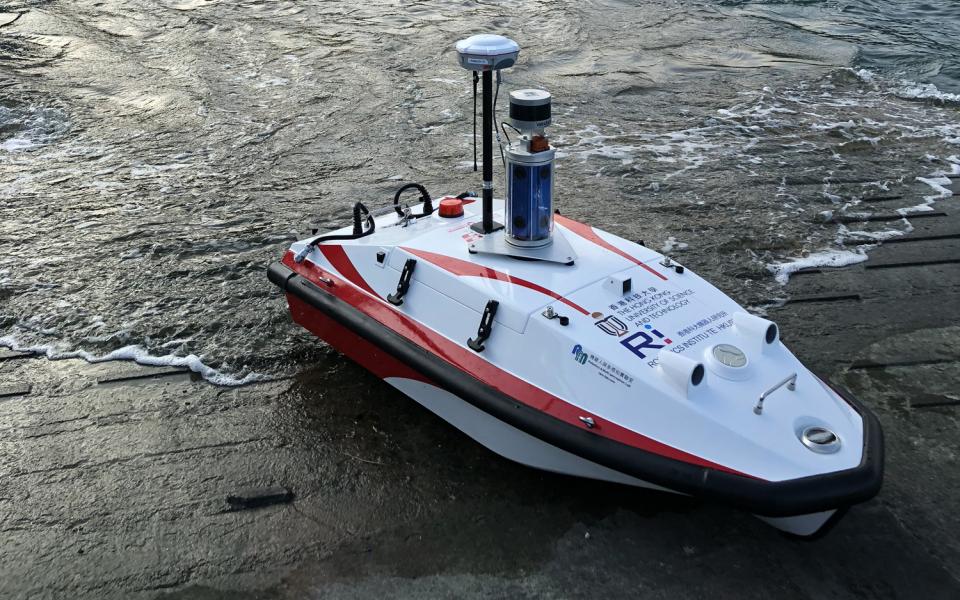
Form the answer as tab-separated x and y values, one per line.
865	240
672	244
826	258
148	170
274	82
674	146
736	136
917	208
830	126
16	144
939	184
910	90
846	235
141	356
32	125
924	91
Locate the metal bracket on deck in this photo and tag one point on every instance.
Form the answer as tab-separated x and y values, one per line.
486	326
790	382
550	313
404	284
668	263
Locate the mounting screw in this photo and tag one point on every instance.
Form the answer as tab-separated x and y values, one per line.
588	421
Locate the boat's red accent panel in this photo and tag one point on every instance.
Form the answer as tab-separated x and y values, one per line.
469	269
587	232
341	262
464	359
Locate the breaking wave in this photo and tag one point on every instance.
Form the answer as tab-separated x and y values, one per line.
29	126
139	355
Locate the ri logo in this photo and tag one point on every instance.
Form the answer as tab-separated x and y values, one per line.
579	355
645	340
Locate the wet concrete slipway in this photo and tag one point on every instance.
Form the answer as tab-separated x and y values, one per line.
156	155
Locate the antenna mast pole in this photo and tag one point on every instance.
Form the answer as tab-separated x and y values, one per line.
487	53
489	226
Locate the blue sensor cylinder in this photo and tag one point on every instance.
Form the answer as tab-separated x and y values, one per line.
529	210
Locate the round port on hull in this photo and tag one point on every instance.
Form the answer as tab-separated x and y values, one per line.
697	375
773	333
819	439
758	334
684	373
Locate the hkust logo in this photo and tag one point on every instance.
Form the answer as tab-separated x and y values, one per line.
579	355
645	340
612	326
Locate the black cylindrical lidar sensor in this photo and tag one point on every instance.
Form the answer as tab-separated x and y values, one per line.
530	110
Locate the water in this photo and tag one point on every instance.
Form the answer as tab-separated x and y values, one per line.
156	155
910	39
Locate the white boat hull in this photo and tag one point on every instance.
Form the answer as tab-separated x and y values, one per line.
518	446
505	440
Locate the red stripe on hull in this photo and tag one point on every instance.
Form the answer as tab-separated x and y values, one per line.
460	357
587	232
469	269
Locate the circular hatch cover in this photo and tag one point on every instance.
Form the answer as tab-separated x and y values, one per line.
729	355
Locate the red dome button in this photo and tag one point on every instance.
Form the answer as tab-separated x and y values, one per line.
451	207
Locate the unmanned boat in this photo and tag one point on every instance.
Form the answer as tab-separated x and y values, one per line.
569	349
